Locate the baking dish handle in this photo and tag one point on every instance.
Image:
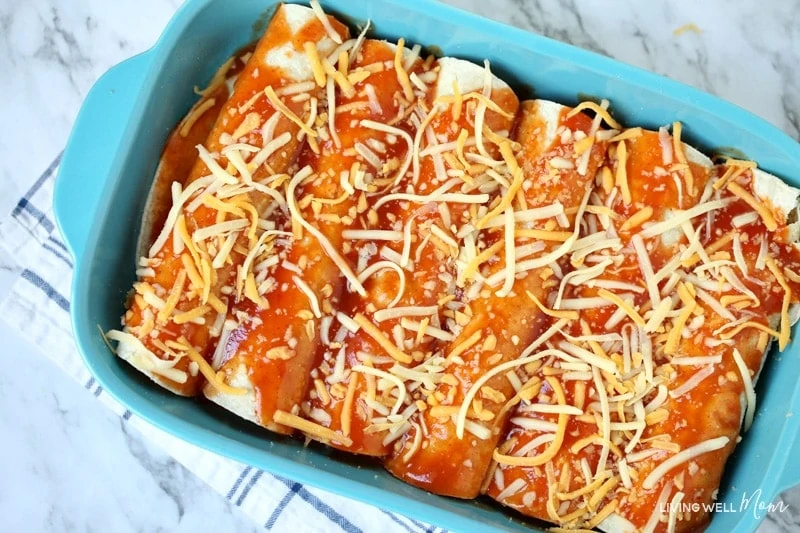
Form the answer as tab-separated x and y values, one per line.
92	148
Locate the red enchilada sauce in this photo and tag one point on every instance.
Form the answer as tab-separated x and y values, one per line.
202	285
282	383
699	412
446	464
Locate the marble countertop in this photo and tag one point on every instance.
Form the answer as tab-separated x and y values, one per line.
69	464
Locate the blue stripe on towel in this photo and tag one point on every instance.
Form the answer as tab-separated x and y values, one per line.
238	482
58	243
421	526
293	490
249	486
323	508
36	185
398	521
41	218
34	278
57	254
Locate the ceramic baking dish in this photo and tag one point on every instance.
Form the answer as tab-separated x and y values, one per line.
115	146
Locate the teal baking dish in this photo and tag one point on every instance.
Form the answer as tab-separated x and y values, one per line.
115	145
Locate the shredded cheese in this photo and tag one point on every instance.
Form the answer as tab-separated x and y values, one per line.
335	256
622	304
402	74
786	325
464	345
621	178
312	297
378	336
554	447
503	367
288	113
195	115
599	110
763	211
310	428
205	368
401	388
679	217
749	392
684	456
383	265
326	23
397	312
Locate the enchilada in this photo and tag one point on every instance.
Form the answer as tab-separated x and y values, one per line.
181	301
381	357
682	322
526	240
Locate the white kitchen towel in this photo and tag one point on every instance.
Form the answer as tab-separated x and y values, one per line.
38	306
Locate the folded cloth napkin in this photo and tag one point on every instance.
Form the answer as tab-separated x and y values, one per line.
38	306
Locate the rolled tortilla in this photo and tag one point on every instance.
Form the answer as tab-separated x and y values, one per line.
722	405
364	387
554	182
273	352
180	154
632	191
673	373
184	292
